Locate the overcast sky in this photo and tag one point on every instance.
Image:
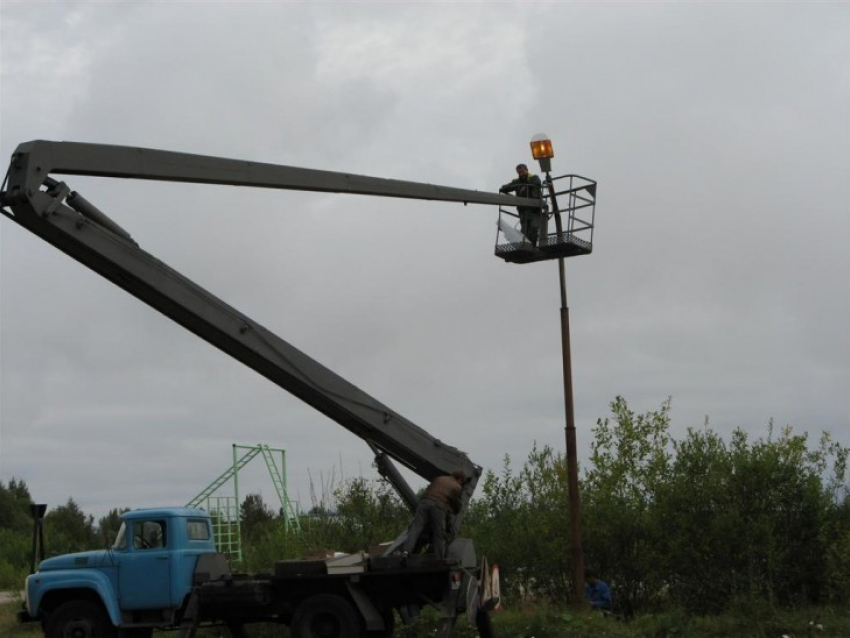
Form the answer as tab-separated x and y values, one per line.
720	274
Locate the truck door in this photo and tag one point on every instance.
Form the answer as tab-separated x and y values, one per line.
144	574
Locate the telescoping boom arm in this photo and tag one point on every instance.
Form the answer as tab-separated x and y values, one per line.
65	219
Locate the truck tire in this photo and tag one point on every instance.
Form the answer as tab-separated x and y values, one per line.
79	619
326	616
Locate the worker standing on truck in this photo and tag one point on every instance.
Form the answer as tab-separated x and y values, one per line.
526	185
440	502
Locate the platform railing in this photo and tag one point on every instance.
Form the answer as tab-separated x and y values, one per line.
576	200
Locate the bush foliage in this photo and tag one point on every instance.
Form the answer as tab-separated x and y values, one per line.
700	523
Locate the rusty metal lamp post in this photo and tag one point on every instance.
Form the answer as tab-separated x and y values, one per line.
542	151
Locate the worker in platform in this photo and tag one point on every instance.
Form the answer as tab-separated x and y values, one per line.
526	185
434	513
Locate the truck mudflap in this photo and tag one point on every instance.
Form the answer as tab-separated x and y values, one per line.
483	594
23	616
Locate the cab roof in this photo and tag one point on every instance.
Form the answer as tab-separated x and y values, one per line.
166	512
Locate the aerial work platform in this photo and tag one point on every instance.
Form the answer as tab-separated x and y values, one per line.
573	217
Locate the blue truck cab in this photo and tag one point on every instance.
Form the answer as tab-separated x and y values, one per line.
143	580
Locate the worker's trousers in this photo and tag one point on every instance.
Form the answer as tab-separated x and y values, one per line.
529	223
431	517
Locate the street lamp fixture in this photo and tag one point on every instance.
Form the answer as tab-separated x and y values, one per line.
542	151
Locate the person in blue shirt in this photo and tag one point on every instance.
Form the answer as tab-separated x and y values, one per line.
596	591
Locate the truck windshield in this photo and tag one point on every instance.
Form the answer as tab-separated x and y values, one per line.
121	538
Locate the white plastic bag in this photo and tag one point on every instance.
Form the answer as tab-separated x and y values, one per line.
511	234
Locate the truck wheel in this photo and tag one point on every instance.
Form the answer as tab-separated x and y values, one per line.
325	616
79	619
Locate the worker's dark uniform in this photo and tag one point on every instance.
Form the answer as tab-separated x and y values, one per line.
529	218
441	500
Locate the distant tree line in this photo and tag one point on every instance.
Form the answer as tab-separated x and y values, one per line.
701	524
66	529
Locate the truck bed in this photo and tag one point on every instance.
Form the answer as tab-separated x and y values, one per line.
396	582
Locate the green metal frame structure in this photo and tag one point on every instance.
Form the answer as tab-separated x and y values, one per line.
226	511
